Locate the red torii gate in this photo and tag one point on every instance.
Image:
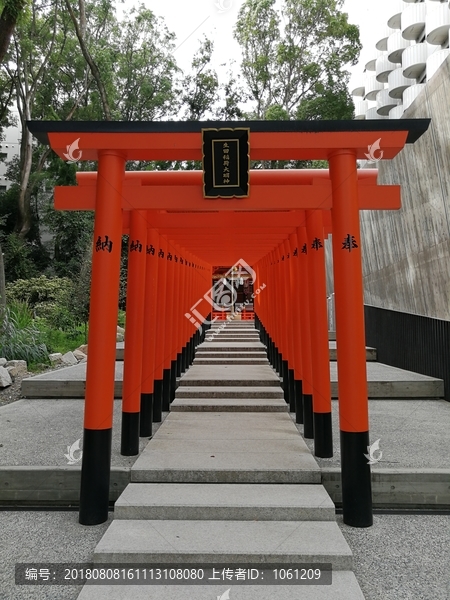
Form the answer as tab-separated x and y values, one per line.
163	199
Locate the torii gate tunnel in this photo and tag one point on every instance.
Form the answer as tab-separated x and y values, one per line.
176	236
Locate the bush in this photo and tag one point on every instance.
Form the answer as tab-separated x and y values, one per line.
20	343
39	289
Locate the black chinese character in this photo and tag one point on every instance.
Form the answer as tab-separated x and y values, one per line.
282	258
349	243
161	253
295	253
135	246
151	249
181	260
106	245
169	256
175	258
304	249
316	244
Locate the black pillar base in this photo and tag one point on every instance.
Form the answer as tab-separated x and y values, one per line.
173	380
308	422
166	391
185	362
298	385
95	476
291	391
285	375
356	479
157	401
323	435
129	441
179	363
145	422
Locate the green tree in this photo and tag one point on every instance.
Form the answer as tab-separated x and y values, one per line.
297	62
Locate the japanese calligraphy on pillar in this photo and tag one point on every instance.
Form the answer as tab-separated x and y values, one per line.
349	243
226	163
101	245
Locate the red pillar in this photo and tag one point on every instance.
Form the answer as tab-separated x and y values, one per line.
295	302
350	340
132	369
160	329
149	337
323	438
308	423
100	376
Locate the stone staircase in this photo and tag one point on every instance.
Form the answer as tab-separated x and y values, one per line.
227	480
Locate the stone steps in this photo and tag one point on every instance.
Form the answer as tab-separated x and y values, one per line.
384	382
225	391
229	405
227	480
344	587
230	361
197	542
243	502
226	447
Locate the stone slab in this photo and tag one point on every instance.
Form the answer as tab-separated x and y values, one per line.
231	345
343	587
230	361
384	381
200	542
51	486
229	375
229	405
226	448
198	391
245	502
219	353
398	488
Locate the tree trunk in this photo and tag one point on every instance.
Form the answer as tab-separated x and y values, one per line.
2	282
8	20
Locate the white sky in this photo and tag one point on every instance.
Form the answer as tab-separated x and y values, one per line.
191	20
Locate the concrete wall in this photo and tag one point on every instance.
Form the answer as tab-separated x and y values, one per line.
406	253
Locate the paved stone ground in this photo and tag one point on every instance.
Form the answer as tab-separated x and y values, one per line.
402	557
411	433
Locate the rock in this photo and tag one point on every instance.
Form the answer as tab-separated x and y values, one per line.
120	329
56	358
120	337
3	362
5	378
79	355
16	367
83	348
69	359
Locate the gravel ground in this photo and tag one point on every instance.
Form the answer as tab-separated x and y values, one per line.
12	392
402	557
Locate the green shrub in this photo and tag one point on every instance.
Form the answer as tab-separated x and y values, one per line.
20	343
39	289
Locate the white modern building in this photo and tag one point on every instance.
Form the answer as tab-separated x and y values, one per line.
408	52
9	148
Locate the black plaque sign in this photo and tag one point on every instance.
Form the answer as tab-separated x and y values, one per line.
226	163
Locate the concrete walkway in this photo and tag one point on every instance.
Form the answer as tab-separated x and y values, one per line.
232	489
